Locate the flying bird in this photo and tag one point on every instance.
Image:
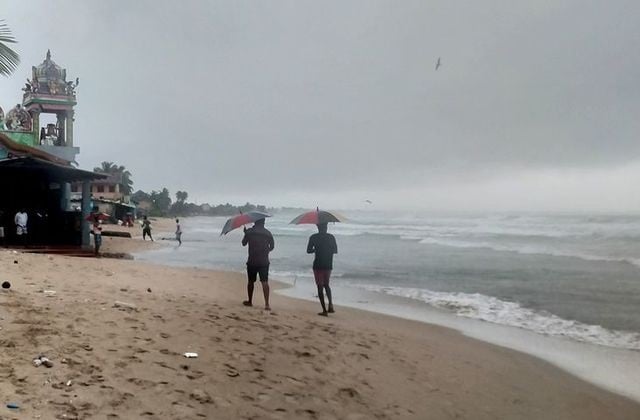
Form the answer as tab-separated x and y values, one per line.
368	201
438	64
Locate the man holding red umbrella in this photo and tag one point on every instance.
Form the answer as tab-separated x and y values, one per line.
324	245
260	243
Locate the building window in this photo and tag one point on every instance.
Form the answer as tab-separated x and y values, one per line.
100	188
74	188
112	188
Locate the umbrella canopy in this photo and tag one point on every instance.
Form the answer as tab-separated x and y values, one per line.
100	216
317	217
243	219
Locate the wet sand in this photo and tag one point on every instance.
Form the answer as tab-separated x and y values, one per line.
126	363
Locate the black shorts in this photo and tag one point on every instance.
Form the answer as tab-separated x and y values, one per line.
252	273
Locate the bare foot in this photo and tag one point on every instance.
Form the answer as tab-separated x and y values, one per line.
267	308
331	310
323	314
247	303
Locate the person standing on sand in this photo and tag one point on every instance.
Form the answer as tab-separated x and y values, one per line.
96	229
260	243
324	245
178	232
146	229
21	219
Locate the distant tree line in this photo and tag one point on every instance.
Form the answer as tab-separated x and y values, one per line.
160	204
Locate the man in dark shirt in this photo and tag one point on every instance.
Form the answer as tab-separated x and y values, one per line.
324	246
260	243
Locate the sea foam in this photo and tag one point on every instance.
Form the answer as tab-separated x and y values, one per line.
491	309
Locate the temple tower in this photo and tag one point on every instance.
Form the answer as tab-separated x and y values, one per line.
48	93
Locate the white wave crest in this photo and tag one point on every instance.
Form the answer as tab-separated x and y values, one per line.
527	249
491	309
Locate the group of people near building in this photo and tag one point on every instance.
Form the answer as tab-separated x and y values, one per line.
260	242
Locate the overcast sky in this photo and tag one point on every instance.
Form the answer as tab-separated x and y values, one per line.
536	105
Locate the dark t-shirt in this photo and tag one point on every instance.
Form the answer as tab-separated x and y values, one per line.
260	243
324	245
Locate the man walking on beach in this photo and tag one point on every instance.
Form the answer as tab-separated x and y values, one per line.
146	229
178	232
324	245
260	243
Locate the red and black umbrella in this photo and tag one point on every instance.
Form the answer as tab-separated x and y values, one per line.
317	217
243	219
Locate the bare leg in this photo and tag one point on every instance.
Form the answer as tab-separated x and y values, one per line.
249	294
265	291
328	289
321	297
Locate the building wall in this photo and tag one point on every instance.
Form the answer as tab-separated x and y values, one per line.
22	137
63	152
103	190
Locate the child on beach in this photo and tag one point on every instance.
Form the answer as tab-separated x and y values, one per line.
324	245
146	229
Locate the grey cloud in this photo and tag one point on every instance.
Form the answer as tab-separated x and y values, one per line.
247	99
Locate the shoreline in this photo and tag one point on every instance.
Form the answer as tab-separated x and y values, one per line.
612	369
124	363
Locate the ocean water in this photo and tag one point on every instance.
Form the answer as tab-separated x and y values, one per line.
561	287
570	276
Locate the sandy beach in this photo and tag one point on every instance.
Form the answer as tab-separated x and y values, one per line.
127	362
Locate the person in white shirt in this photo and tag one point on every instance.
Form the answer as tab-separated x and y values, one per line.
21	219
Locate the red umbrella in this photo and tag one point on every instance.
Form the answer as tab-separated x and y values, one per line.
99	216
243	219
317	217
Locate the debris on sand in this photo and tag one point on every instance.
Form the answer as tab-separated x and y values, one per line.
124	305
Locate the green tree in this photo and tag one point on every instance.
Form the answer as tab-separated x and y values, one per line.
161	202
181	196
112	169
139	196
9	59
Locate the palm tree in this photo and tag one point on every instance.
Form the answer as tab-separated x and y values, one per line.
112	168
181	196
9	59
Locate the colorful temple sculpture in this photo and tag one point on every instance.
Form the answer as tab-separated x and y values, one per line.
45	118
37	161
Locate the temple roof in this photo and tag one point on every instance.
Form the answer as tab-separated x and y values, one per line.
49	70
48	78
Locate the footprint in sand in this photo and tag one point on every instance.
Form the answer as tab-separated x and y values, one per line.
348	393
141	382
201	396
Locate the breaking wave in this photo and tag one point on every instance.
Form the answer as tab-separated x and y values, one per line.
491	309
